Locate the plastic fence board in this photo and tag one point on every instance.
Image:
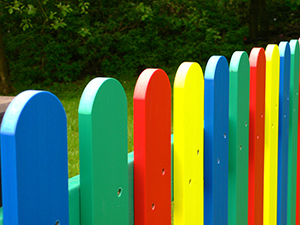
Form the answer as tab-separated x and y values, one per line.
283	131
239	75
257	61
152	148
172	168
298	165
34	160
130	188
293	133
74	200
216	95
271	135
188	144
103	160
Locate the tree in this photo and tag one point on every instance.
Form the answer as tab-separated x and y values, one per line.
5	86
258	24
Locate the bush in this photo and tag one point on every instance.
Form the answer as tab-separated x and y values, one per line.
56	41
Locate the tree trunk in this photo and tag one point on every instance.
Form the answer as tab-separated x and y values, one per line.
253	23
263	20
5	85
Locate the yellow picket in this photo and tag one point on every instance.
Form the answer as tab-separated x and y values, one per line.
271	135
188	144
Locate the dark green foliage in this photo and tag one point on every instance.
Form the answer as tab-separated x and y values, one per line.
55	41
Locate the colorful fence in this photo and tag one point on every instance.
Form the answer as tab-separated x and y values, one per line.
232	158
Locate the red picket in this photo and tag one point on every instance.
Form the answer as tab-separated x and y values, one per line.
152	148
256	136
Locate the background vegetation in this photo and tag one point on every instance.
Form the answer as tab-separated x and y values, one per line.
61	45
60	41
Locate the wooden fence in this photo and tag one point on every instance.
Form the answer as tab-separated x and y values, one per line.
233	157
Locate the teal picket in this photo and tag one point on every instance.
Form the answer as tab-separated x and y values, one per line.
293	133
103	153
239	78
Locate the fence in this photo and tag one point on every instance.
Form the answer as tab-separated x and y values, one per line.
232	158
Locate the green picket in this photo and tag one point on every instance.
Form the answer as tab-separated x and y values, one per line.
238	138
103	153
293	133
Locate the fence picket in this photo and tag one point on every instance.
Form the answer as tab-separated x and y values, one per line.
152	148
34	160
256	135
238	138
103	160
216	94
271	135
283	130
293	133
298	164
188	144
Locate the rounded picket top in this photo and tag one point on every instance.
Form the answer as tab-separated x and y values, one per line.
257	57
272	53
239	62
93	91
188	71
216	65
34	160
284	48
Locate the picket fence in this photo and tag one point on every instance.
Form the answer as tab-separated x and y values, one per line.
232	157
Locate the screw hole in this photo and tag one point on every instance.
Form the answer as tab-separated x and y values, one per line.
119	192
57	222
246	124
163	171
240	147
198	152
262	115
190	181
153	206
224	135
218	160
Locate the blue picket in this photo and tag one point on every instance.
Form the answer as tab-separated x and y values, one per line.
283	132
34	160
216	103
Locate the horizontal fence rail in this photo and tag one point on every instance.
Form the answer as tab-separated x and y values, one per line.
233	158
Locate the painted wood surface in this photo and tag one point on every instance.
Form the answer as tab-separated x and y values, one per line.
271	135
293	133
103	160
152	148
188	144
257	61
298	165
283	130
216	95
34	160
239	75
